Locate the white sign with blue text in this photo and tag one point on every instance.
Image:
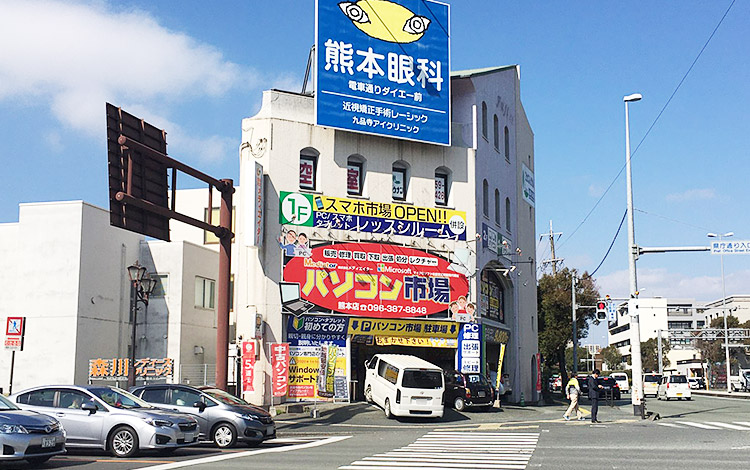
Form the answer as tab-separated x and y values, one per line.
470	348
383	67
735	247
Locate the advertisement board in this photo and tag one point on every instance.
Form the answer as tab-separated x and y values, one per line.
379	280
248	365
357	215
403	328
280	368
318	372
383	68
117	368
469	357
253	203
495	241
309	330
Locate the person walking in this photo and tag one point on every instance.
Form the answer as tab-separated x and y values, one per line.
594	395
573	391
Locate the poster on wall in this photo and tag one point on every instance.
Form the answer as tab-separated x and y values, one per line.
383	68
318	372
310	330
376	280
491	296
357	215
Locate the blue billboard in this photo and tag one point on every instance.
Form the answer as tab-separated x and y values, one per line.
383	67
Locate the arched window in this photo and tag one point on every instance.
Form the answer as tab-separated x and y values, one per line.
491	296
485	198
355	175
442	186
308	168
496	134
507	143
400	186
484	119
507	214
497	206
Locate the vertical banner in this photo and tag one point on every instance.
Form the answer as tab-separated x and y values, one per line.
280	366
253	205
500	365
539	373
248	365
470	348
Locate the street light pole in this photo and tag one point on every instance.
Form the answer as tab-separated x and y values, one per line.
635	329
724	306
575	332
141	286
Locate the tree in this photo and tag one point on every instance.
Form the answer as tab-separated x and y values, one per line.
569	356
554	300
713	350
650	354
612	357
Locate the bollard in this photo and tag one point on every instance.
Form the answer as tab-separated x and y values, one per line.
523	402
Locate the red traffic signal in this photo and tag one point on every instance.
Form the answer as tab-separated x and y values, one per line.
601	310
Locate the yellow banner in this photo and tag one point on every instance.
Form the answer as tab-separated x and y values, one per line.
403	328
304	367
386	210
500	365
423	342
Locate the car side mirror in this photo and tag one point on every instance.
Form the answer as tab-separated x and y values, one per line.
90	407
200	405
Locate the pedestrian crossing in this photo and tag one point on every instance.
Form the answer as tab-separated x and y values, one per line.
708	425
450	450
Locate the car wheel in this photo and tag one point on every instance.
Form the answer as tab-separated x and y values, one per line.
665	396
459	404
658	397
38	460
123	442
224	435
387	409
688	398
368	394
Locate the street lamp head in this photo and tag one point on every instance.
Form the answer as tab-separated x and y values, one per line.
633	97
136	271
716	235
729	234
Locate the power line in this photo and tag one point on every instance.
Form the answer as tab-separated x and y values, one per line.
650	127
673	220
610	245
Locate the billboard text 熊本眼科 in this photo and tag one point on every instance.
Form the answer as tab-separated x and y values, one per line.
383	68
373	217
379	280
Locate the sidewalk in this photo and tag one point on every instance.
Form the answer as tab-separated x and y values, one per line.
722	393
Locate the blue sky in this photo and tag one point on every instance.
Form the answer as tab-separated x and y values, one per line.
196	68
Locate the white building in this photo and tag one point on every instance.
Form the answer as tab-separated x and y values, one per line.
736	305
64	268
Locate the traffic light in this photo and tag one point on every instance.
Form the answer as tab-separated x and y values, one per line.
601	310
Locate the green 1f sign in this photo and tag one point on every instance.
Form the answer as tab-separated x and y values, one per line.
296	209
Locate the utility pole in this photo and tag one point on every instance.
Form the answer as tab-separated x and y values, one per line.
575	332
551	236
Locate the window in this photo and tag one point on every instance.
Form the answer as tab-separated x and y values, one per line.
497	206
308	167
388	372
442	187
507	214
485	198
72	399
496	133
507	144
484	119
355	176
422	379
205	291
182	397
209	238
155	395
400	181
38	398
162	284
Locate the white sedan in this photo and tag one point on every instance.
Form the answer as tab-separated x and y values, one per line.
674	386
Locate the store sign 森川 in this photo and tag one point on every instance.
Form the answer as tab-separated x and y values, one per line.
378	280
383	68
358	215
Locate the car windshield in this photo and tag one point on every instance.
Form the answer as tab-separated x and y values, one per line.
224	397
422	379
6	404
119	398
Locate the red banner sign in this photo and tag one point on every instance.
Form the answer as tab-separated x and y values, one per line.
248	365
377	280
280	366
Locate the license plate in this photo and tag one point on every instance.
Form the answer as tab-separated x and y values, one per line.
482	395
48	442
189	437
679	394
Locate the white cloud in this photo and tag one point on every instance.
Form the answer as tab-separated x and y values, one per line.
661	282
692	195
75	56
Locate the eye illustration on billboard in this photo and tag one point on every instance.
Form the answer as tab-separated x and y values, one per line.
378	280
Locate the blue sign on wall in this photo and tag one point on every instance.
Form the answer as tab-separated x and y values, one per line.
469	357
309	330
383	67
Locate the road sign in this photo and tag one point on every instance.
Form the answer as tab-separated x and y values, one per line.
14	331
734	247
611	311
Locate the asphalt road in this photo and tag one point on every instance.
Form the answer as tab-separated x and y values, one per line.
704	433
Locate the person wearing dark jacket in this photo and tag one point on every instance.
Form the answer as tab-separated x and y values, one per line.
594	395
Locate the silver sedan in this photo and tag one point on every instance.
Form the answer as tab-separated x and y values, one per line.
109	418
27	435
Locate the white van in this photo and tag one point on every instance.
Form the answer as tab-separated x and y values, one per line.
404	385
622	380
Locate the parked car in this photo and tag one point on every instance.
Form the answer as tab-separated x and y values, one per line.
651	384
109	418
404	385
28	435
465	390
222	418
697	383
609	386
674	386
622	380
554	383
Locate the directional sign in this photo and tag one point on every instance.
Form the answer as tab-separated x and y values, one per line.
611	311
734	247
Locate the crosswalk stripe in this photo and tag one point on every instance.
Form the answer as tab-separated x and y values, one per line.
728	425
697	425
743	423
444	450
671	425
